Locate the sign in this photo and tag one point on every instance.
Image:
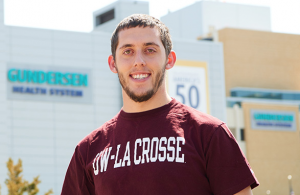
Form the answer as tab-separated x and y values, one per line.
187	82
273	120
48	83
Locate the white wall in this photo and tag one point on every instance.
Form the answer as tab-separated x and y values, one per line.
235	118
185	23
44	134
235	122
196	19
212	53
221	15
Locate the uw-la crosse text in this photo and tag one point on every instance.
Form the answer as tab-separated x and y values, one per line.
169	150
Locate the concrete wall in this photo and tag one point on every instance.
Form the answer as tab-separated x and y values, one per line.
260	59
273	154
185	23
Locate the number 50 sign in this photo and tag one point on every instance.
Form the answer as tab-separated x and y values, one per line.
187	82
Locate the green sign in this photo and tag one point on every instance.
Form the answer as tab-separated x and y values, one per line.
273	117
51	77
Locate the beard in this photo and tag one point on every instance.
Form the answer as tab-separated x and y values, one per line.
145	95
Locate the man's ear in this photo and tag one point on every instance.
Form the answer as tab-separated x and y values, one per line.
111	63
171	60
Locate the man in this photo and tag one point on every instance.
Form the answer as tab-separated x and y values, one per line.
155	144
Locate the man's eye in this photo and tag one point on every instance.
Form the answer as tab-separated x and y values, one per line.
150	50
127	52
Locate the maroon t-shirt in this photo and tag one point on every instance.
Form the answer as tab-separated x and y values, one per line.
173	149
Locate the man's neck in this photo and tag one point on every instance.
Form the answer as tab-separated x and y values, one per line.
159	99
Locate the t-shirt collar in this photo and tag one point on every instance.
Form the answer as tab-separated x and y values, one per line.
154	111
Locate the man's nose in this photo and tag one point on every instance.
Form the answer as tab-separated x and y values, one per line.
139	59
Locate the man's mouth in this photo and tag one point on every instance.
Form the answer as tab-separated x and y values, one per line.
140	76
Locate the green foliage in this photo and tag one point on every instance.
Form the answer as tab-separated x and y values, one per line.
15	183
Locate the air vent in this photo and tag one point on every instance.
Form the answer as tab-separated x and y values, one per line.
105	17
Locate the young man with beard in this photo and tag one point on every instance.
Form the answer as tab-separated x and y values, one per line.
155	144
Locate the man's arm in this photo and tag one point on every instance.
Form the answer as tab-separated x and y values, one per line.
76	181
227	168
246	191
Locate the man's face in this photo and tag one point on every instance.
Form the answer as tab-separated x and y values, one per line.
140	62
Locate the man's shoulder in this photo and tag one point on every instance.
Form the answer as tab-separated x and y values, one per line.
194	116
98	132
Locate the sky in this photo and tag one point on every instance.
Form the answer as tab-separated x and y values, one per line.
76	15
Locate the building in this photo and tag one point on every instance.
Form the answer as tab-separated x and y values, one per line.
57	87
204	18
263	100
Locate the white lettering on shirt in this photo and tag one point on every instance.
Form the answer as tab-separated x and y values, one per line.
153	157
145	150
171	149
136	162
96	160
178	158
118	164
163	149
104	158
127	155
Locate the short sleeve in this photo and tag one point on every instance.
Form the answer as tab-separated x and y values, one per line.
228	170
76	181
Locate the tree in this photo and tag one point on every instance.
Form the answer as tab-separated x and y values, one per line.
15	183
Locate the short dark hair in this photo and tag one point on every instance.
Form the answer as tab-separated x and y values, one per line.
142	20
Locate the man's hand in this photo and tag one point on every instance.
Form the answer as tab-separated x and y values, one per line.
246	191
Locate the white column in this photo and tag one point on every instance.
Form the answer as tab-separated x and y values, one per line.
237	123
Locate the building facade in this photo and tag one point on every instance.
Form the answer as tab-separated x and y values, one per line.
263	99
